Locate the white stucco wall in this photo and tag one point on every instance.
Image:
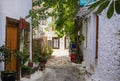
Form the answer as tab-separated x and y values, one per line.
13	9
108	66
61	51
89	45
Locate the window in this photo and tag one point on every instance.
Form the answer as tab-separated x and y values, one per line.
55	41
66	42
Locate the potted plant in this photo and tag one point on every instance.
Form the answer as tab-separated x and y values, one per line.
49	51
5	56
23	58
41	56
26	71
30	64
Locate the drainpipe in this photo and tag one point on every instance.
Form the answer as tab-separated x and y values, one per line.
30	56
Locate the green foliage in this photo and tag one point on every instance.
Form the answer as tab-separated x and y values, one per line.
26	70
5	54
36	53
111	4
103	6
60	33
110	10
49	50
42	54
117	6
22	56
81	38
64	12
97	3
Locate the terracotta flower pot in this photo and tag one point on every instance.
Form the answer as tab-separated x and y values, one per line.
41	65
30	64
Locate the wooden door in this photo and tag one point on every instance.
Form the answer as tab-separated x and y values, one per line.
11	43
12	34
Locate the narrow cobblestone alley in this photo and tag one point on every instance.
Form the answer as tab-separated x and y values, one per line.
58	69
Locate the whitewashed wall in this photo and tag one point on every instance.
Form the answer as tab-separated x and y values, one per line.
108	66
89	45
13	9
61	51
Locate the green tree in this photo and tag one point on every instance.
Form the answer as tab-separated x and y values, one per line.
112	5
64	12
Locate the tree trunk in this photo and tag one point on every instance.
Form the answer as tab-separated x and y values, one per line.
78	27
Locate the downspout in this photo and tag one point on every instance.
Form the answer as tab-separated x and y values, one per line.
30	56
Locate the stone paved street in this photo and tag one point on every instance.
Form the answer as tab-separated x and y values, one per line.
57	69
62	74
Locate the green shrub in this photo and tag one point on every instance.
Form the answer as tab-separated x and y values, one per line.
26	70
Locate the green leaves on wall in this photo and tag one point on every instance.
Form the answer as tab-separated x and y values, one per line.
103	6
110	10
117	6
113	5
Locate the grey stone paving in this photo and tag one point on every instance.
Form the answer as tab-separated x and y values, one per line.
64	73
61	69
58	69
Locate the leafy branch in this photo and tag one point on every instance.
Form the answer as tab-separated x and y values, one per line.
112	5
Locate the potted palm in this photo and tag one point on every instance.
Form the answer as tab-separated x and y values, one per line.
41	56
5	56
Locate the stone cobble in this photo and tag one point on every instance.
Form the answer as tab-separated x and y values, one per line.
57	69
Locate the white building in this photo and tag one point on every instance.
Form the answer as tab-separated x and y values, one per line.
101	47
10	13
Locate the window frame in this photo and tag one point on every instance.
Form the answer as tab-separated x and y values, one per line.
66	38
53	43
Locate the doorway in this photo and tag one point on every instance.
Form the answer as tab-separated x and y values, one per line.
12	43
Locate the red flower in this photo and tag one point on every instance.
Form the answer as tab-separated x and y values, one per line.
73	57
